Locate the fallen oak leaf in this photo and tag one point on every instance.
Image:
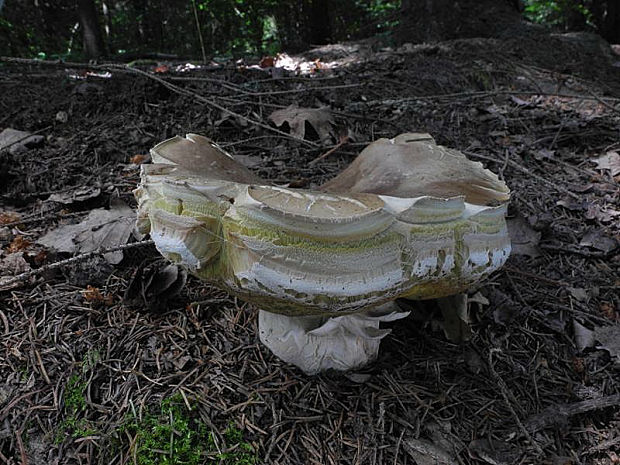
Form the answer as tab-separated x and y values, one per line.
319	118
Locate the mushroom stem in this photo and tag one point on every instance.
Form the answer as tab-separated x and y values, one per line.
316	343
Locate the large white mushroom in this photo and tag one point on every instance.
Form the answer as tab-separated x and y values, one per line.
408	218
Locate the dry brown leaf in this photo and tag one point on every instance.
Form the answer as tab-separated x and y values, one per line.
8	217
93	295
319	118
138	159
607	309
267	62
18	244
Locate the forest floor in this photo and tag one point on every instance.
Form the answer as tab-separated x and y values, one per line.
86	378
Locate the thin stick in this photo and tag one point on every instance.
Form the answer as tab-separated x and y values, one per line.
52	266
342	142
202	44
31	220
22	449
211	103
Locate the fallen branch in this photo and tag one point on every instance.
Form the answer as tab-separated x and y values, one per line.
10	282
559	414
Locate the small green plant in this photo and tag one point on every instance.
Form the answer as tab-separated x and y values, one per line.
175	436
75	390
75	424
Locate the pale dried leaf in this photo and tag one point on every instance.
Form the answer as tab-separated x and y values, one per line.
609	339
427	453
81	194
584	337
495	452
12	264
598	240
18	141
319	118
579	293
100	229
610	161
524	239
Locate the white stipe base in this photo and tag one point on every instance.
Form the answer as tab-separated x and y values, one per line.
315	344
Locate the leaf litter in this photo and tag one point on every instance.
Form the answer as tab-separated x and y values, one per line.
205	345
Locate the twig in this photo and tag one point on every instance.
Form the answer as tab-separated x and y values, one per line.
22	449
42	218
202	44
481	94
5	285
209	102
342	142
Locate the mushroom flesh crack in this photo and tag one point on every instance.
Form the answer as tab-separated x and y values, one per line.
407	219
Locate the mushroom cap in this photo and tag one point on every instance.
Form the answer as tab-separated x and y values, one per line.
407	218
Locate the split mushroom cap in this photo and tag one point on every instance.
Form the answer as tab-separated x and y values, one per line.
413	165
408	218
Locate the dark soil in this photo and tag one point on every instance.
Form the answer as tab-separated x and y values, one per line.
525	389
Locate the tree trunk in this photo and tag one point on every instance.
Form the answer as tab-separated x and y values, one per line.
607	19
91	32
319	22
433	20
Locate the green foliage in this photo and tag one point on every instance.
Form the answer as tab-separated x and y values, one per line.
176	436
228	28
562	13
382	13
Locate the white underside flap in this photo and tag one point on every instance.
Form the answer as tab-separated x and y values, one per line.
315	344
